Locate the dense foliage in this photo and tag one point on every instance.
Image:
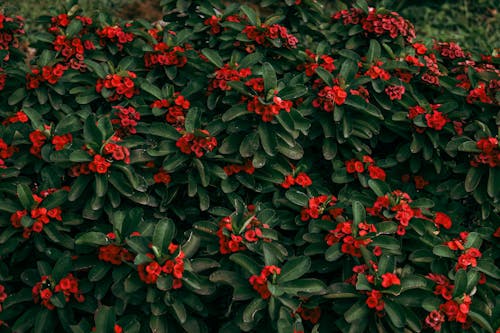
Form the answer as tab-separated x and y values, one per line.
309	171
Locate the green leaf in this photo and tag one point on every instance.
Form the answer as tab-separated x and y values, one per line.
25	196
250	144
151	89
17	96
473	178
395	313
213	56
163	234
91	132
267	139
101	185
234	112
251	15
360	104
293	92
481	320
333	252
297	197
99	271
246	262
294	269
95	67
158	324
325	75
78	187
443	251
269	75
348	70
303	286
55	199
105	319
358	311
193	119
62	267
488	268
92	238
379	187
374	51
252	308
79	156
460	282
359	212
44	321
494	183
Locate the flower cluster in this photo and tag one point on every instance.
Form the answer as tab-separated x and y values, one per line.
127	118
175	109
490	153
49	74
379	24
343	233
231	241
321	206
449	50
328	97
162	177
115	86
115	35
99	164
150	272
434	119
232	169
309	314
356	166
395	92
274	32
259	282
198	144
455	309
37	139
18	117
114	254
228	74
3	295
301	179
36	218
6	152
377	72
397	206
468	257
165	55
268	111
315	61
60	141
3	78
214	22
43	290
479	93
10	29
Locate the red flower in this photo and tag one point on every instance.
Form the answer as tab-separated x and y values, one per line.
436	120
303	179
390	279
289	181
99	164
442	219
376	172
435	319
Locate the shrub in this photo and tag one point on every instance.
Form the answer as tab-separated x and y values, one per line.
306	171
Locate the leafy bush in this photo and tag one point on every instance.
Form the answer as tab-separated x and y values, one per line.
307	171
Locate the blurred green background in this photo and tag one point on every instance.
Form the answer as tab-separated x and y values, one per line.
473	24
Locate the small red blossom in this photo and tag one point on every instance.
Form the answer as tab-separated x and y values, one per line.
259	282
390	279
